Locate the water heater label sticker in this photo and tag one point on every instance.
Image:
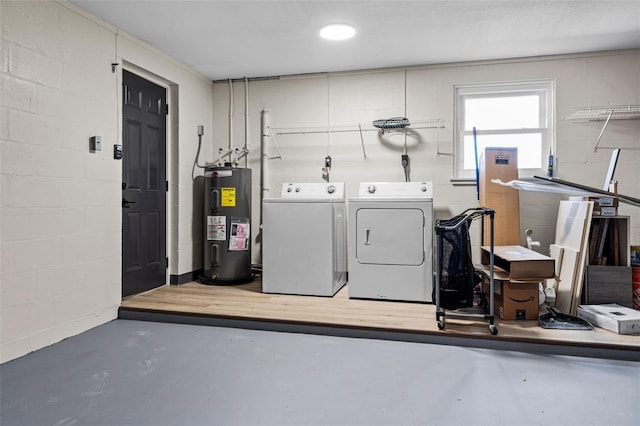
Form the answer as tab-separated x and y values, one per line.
216	228
228	197
239	236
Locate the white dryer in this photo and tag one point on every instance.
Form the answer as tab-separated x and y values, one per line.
391	241
304	240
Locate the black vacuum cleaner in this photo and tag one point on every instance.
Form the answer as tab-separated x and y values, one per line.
557	320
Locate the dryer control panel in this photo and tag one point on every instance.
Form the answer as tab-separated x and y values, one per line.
324	190
396	189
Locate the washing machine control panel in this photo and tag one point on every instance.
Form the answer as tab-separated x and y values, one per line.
334	190
395	189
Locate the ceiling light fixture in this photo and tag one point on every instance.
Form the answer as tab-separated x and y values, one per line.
337	32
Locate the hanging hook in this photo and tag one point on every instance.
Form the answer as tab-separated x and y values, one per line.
327	168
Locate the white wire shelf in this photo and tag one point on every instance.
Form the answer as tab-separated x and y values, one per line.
604	113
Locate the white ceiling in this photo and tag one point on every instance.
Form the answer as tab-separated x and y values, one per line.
225	39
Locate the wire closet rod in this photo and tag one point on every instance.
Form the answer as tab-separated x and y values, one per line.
354	128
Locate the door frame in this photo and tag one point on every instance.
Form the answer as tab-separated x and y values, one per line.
171	151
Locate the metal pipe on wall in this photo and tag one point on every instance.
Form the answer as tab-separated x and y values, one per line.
265	122
230	115
246	120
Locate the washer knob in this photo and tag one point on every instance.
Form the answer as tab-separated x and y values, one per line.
371	189
423	189
297	189
331	189
289	189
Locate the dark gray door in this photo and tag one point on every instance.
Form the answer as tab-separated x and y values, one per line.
144	186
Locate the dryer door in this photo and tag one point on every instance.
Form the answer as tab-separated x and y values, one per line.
390	236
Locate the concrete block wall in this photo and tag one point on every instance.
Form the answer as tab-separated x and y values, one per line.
60	213
609	78
60	227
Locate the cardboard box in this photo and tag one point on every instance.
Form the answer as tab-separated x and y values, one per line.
600	201
520	263
612	317
500	163
603	201
512	300
602	206
605	211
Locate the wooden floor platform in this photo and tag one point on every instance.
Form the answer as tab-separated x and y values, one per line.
246	306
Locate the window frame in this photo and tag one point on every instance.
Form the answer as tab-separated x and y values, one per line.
545	89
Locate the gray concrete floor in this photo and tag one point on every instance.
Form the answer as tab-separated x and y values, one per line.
144	373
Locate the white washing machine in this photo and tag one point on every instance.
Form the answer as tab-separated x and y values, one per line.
391	241
304	248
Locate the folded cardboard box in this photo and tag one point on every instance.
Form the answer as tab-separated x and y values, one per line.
613	317
520	263
513	300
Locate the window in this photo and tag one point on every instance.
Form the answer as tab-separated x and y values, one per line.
514	114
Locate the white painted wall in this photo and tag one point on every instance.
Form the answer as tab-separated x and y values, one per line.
60	227
600	79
